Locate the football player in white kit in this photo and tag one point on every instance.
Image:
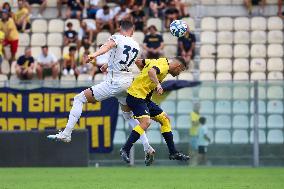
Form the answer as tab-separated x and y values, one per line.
123	50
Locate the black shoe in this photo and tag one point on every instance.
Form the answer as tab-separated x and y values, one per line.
149	158
179	156
124	155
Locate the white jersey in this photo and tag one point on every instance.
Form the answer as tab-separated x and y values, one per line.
122	56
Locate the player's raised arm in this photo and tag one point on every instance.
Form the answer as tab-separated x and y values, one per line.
153	76
104	48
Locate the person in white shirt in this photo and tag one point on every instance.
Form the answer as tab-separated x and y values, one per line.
202	141
104	19
86	33
47	61
121	13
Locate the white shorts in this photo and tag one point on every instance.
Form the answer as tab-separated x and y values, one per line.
108	89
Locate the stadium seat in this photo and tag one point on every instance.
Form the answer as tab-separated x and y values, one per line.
261	137
275	64
223	2
208	24
241	65
275	76
207	76
184	107
56	51
225	24
68	78
183	122
241	51
119	137
241	24
206	93
237	2
190	22
38	39
24	39
154	136
169	39
258	76
225	76
223	107
261	121
36	51
185	94
5	67
240	107
241	93
39	26
209	121
223	121
207	65
240	137
258	51
258	23
102	37
120	123
139	37
20	52
241	37
56	25
240	122
223	93
224	65
275	92
275	37
275	136
170	50
225	37
176	137
241	76
275	50
51	3
207	51
75	22
185	76
258	65
156	22
275	107
206	107
100	77
208	37
275	121
54	39
169	107
222	137
261	92
275	23
224	51
261	107
258	37
208	2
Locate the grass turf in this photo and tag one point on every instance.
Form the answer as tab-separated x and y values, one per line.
141	177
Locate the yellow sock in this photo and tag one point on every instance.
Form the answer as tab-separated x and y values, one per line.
139	129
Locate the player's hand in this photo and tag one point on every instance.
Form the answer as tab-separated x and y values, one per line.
90	58
160	90
104	68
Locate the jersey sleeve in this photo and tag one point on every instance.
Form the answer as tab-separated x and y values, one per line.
162	66
115	38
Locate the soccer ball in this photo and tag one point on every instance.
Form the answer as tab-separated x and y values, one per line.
178	28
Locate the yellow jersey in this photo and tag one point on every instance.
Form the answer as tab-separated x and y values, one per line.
2	37
20	13
69	59
10	26
193	131
142	86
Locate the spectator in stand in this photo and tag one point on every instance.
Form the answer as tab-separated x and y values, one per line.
153	43
181	7
104	19
186	46
92	8
202	141
70	35
86	33
59	6
139	18
69	62
47	62
2	37
85	67
156	7
25	65
121	13
280	13
8	8
8	26
171	13
250	3
42	6
75	9
22	18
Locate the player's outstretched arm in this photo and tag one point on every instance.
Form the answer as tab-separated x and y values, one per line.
105	48
153	76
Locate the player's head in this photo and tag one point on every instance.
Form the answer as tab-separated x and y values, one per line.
126	27
177	65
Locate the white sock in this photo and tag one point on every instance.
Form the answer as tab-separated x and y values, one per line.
75	113
133	123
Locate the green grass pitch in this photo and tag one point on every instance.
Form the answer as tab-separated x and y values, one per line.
142	178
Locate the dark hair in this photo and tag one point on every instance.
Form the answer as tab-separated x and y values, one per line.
44	46
5	4
105	7
72	48
181	60
202	120
126	24
154	27
69	24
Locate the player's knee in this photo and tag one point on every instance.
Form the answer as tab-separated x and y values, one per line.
164	120
145	124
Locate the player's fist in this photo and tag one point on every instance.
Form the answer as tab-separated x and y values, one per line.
160	90
90	58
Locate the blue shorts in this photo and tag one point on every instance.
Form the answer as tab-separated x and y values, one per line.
143	108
